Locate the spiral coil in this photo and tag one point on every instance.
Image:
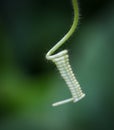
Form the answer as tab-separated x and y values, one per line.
61	60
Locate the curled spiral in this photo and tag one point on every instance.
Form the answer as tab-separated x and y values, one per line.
61	60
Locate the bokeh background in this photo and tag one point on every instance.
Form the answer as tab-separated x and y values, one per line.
29	84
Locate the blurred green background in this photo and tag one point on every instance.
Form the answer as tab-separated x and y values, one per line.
29	84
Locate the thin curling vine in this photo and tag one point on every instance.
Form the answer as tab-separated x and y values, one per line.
61	60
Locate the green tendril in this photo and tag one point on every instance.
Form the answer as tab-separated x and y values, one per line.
69	33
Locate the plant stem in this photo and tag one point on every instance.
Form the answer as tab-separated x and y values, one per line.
69	33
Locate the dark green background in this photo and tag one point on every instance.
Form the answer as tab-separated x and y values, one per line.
29	84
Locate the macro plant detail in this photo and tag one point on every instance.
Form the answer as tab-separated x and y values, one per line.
61	60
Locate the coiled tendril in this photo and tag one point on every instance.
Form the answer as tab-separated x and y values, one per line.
61	61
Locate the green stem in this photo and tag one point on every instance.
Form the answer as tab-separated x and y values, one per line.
69	33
